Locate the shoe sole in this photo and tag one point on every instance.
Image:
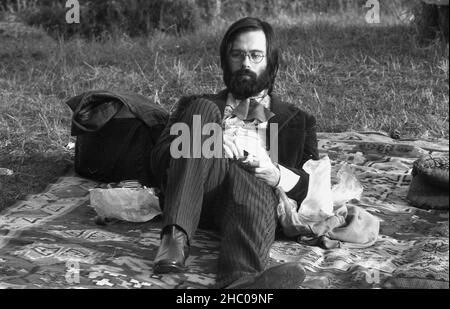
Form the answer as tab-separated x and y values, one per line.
168	268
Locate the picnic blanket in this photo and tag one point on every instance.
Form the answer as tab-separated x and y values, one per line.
50	240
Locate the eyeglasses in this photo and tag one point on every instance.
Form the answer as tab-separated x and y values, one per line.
239	56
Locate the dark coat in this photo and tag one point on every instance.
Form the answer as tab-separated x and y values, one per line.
297	140
93	109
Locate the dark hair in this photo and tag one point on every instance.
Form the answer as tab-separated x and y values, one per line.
244	25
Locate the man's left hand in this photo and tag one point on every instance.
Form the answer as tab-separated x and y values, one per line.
268	173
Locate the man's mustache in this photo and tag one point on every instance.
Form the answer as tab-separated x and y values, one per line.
245	72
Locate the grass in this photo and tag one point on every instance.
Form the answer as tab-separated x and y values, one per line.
349	74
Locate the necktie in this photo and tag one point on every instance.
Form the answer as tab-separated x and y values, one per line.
250	109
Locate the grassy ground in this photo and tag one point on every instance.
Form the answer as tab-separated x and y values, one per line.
349	74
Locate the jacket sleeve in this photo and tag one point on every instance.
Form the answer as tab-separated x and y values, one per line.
310	151
160	154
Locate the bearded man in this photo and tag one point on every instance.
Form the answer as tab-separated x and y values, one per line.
235	193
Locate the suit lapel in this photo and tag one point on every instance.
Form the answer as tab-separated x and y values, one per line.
283	114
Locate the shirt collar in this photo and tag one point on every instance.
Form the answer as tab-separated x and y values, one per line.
262	98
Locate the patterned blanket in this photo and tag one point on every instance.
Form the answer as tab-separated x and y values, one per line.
50	240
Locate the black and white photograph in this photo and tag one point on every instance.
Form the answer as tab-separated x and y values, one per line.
227	151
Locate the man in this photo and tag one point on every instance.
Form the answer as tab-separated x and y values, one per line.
235	193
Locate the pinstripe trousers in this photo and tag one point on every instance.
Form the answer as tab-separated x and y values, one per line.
218	193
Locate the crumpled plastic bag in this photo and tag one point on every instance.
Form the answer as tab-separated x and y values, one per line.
347	188
318	203
127	204
322	198
322	201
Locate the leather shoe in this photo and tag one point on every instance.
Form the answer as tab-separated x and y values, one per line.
283	276
172	252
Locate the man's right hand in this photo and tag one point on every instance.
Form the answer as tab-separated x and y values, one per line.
231	150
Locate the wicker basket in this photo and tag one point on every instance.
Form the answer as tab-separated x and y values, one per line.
429	186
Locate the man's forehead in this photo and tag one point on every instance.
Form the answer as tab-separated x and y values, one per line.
250	40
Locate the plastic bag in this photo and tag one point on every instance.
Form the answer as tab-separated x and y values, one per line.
322	200
318	203
347	188
128	204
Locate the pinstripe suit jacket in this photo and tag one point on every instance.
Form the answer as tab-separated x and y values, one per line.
297	141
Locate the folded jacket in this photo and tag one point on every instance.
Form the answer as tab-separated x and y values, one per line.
93	109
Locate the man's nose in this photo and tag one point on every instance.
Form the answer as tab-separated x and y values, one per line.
246	62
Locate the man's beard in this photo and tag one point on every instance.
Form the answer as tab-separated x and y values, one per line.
244	83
